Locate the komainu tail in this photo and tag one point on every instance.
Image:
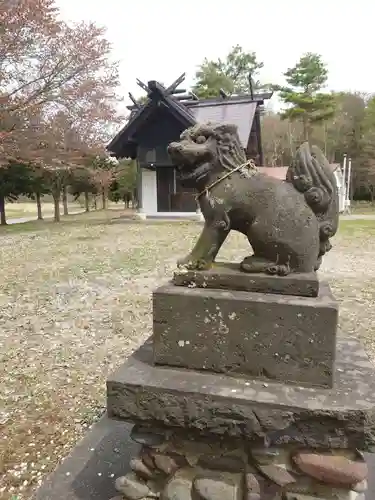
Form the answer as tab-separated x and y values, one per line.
312	175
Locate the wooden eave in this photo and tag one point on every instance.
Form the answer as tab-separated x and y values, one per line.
124	144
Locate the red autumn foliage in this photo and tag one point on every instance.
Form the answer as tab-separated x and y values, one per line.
57	85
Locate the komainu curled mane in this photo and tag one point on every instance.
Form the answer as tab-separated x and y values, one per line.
288	223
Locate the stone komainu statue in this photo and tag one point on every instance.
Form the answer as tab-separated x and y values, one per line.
288	223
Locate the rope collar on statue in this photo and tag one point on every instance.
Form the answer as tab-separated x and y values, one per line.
248	163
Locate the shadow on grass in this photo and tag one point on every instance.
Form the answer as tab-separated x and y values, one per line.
48	225
99	218
84	218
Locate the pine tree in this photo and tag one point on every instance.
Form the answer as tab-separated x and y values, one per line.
230	74
303	94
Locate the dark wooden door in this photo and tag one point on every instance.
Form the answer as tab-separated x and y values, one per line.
164	187
184	198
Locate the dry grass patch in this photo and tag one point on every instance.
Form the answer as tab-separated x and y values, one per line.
29	209
75	302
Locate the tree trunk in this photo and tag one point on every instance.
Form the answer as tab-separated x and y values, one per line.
56	202
87	202
372	194
127	200
104	200
95	203
39	206
65	199
135	200
3	220
306	129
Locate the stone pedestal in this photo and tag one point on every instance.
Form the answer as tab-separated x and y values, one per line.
280	337
244	393
227	276
223	405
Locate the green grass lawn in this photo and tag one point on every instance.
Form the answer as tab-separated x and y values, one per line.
75	301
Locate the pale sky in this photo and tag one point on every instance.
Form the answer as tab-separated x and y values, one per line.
160	39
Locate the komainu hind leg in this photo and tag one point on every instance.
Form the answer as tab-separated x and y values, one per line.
318	263
253	264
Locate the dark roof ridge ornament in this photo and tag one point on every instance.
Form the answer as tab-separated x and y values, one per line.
223	94
251	85
134	101
155	87
171	89
142	85
156	90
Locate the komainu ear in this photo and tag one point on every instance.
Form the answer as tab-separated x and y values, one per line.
225	128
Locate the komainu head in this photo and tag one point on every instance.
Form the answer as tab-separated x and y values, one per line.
206	148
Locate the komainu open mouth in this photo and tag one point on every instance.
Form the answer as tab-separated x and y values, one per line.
186	173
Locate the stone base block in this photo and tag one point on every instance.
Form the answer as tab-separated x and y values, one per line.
228	276
280	414
171	467
278	337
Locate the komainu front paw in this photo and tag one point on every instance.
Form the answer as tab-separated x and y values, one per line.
278	270
192	263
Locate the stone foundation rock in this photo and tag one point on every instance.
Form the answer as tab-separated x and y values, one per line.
225	469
